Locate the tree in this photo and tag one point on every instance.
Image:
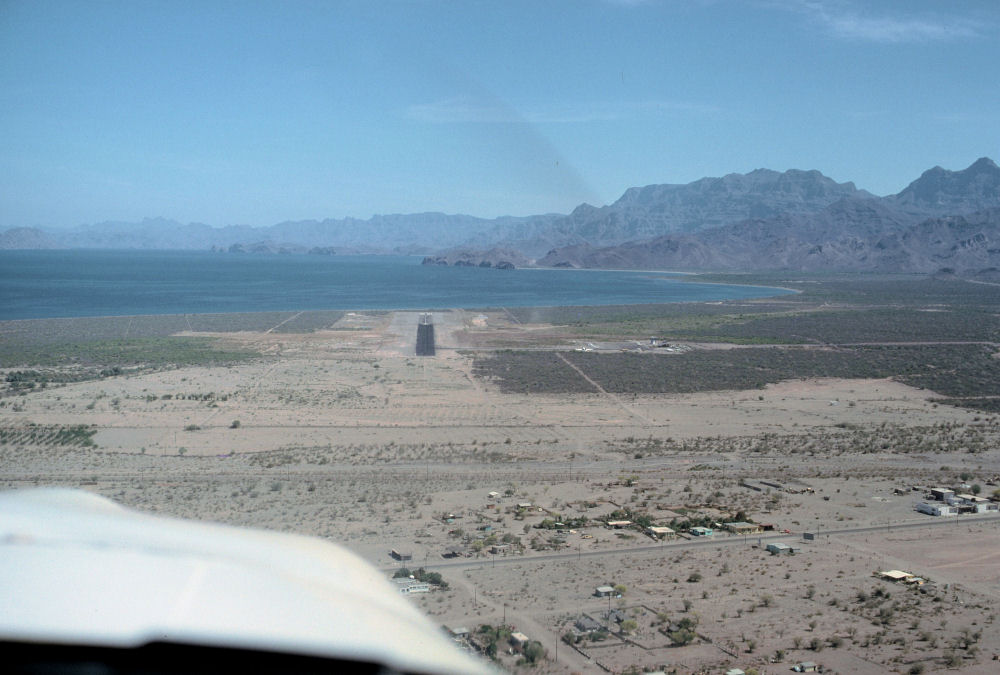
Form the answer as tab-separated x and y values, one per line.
629	625
534	651
682	637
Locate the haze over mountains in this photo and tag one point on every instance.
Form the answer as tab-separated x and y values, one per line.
795	220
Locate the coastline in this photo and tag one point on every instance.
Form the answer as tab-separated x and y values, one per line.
113	284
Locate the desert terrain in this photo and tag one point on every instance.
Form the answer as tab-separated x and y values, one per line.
341	432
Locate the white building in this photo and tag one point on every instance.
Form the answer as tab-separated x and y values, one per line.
407	586
937	509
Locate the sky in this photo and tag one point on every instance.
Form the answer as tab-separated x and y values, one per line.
258	112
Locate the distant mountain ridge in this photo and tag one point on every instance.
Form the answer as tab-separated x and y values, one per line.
942	219
760	220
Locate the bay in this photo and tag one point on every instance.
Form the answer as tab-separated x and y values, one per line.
78	283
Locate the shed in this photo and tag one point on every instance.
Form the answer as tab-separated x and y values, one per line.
402	556
518	640
615	615
805	667
778	547
604	591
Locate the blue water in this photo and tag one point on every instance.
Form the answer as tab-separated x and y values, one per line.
44	284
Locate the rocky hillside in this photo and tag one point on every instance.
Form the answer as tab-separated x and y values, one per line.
854	233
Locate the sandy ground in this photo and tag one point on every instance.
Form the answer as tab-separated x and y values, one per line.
345	434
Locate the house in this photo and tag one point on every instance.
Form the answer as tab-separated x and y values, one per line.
518	640
585	624
402	556
741	527
408	586
942	494
604	591
701	531
937	509
894	575
497	549
661	532
974	504
458	632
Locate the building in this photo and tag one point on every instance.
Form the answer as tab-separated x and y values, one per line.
701	531
805	667
586	624
407	586
518	640
741	527
974	504
615	615
661	532
619	524
894	575
778	547
942	494
401	556
604	591
937	509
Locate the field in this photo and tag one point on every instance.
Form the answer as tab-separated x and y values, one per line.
849	400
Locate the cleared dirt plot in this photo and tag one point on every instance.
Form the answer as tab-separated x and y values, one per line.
529	498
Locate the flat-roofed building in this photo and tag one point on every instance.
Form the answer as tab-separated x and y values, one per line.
937	509
741	527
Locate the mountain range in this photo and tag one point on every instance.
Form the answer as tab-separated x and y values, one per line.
795	220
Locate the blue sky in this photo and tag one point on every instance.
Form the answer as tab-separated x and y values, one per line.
257	112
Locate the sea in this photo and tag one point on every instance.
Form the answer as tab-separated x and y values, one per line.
78	283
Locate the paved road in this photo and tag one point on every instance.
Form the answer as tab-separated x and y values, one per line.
708	542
